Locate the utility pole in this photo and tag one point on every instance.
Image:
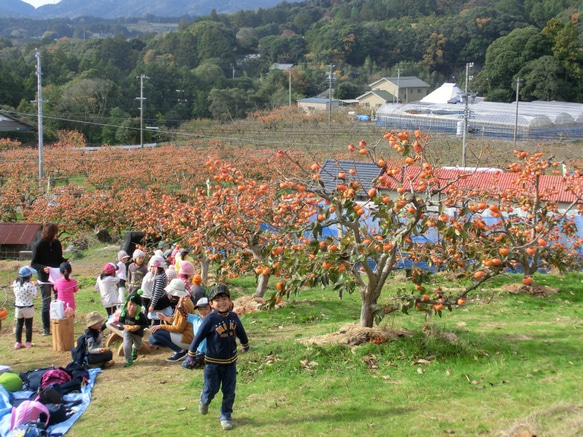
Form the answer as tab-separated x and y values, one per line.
141	99
466	114
290	77
398	83
518	80
330	95
39	100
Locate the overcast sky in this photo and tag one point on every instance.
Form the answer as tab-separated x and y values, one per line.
37	3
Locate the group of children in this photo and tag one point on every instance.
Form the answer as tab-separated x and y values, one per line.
215	328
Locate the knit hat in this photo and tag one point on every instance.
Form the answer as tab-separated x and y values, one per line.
176	288
197	280
186	268
202	302
121	255
135	298
25	272
92	318
159	253
138	253
109	269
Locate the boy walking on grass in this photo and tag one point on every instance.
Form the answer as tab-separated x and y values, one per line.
221	329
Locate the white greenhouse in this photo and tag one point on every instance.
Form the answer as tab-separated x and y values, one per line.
533	120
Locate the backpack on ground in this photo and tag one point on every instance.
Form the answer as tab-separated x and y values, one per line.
32	379
29	411
29	429
78	352
55	377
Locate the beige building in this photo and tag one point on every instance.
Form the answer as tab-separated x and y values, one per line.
374	99
406	88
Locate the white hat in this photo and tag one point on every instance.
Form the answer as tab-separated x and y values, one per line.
157	261
202	302
176	288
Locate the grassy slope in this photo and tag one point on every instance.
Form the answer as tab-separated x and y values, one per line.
500	364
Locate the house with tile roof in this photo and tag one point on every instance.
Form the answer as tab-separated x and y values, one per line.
402	89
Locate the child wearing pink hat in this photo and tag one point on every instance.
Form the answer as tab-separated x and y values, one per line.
107	286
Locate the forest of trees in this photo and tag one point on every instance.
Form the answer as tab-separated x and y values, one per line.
218	66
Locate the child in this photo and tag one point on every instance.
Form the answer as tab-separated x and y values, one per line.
106	284
221	329
97	354
122	259
195	358
160	302
24	292
197	289
65	287
133	321
136	271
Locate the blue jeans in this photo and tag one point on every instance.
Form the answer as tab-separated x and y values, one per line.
216	375
162	338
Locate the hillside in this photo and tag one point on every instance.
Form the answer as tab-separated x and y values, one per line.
109	9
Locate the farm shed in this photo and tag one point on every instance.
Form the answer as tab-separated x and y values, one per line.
533	121
312	104
18	239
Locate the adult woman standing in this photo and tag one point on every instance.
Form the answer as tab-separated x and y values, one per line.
46	254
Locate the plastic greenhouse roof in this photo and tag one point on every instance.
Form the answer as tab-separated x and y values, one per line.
537	114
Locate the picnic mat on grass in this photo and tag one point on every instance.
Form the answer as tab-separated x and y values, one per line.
58	429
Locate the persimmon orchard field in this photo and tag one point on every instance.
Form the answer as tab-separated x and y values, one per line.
263	211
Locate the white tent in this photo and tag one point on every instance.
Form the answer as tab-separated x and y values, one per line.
446	93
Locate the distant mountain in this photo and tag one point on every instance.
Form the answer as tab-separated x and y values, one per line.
16	8
111	9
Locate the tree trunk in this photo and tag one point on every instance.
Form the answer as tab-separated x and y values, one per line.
367	308
204	269
261	285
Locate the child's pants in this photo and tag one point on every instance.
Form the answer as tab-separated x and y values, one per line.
130	339
216	375
19	324
101	358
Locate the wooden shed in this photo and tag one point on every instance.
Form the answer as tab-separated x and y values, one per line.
17	240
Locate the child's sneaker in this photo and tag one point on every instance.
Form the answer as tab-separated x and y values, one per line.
203	408
226	424
109	364
128	363
134	354
18	345
177	356
28	344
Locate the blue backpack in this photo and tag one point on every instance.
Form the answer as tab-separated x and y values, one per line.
78	351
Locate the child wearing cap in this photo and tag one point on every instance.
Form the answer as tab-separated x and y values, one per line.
24	293
106	284
97	354
122	259
66	287
159	302
133	321
175	332
197	289
136	271
221	328
195	358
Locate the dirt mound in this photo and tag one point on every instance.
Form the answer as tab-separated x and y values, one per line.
534	289
252	304
354	335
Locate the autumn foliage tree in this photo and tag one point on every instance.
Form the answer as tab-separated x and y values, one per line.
431	218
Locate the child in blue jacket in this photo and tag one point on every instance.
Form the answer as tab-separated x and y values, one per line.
220	328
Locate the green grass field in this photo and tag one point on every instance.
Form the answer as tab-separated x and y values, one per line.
500	365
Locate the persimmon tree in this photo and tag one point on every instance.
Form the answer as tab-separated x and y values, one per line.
422	215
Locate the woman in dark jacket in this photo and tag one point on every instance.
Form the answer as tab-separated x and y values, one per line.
46	254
